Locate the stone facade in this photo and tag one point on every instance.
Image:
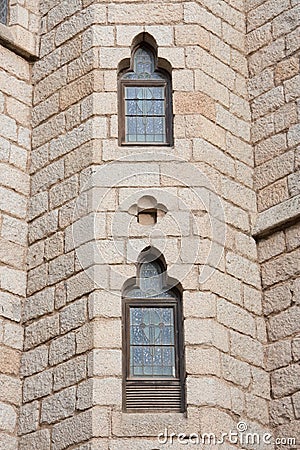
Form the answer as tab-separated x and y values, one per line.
274	97
70	238
15	133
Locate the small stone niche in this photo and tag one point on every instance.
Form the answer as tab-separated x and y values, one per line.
148	211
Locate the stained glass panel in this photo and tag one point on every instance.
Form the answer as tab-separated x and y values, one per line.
152	344
145	114
3	11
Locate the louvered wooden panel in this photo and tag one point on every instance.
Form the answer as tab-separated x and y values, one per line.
167	397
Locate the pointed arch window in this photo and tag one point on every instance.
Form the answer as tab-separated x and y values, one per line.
145	101
152	342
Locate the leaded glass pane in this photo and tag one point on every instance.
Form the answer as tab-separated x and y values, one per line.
143	62
138	293
145	114
152	343
143	66
3	11
134	76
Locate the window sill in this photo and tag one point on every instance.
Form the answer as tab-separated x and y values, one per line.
19	40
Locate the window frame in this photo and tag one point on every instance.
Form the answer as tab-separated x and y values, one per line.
159	381
166	83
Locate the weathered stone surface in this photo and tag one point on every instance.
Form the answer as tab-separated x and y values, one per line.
281	411
72	431
286	69
194	103
37	386
260	384
247	349
281	268
203	361
285	381
292	237
113	391
29	418
278	355
84	338
257	408
206	331
58	406
103	339
39	304
296	349
271	246
207	391
225	286
62	349
8	417
73	316
41	331
284	324
271	171
199	304
296	404
34	361
10	389
236	371
9	360
233	316
105	363
277	215
39	440
70	372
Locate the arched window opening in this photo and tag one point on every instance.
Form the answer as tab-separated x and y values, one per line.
145	101
152	342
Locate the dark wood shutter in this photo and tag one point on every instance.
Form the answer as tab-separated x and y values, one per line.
154	396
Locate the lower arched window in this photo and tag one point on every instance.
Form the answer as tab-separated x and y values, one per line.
152	341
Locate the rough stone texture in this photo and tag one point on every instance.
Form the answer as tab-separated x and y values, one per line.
15	114
274	91
280	304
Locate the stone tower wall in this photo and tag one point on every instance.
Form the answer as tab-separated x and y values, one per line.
18	38
273	45
72	384
15	130
57	358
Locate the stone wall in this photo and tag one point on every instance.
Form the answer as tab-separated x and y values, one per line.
72	360
279	257
56	358
20	33
273	45
15	130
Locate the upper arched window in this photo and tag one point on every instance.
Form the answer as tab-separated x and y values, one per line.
145	101
3	11
152	341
